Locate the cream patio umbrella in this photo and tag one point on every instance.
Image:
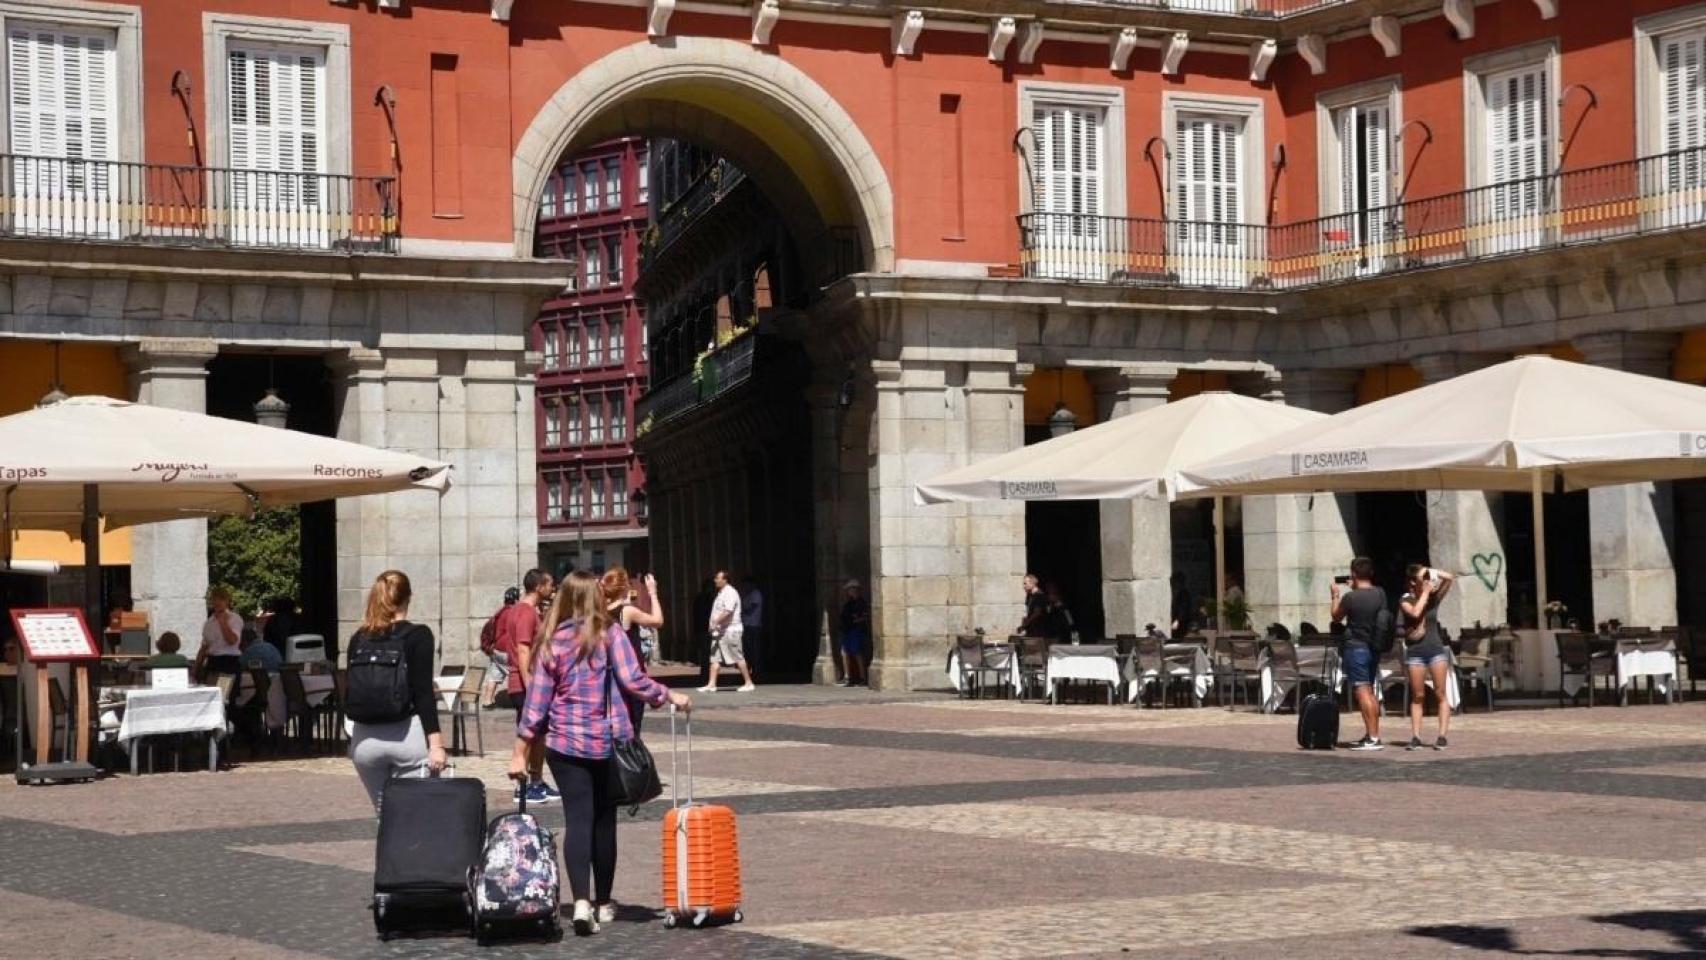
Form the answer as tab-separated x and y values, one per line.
1531	424
67	465
1130	457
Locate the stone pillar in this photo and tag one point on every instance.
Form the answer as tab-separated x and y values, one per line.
1137	541
1630	526
1294	545
168	574
358	387
944	569
1466	528
826	415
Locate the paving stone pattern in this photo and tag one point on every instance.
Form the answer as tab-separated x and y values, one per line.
932	829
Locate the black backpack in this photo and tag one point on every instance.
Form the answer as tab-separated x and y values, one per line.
1381	640
376	686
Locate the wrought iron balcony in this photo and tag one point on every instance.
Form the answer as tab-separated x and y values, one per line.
670	222
72	199
1634	197
1243	8
721	371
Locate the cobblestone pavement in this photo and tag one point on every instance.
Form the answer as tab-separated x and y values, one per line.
931	828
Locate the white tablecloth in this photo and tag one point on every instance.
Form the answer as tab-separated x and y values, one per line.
1096	663
999	655
1277	684
151	712
1637	657
1182	660
447	687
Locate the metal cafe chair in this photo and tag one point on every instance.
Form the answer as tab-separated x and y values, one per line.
1578	658
464	707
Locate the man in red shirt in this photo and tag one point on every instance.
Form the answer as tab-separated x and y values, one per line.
517	630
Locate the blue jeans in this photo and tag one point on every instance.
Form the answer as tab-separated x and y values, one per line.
1360	665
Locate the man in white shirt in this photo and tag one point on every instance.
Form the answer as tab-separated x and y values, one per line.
221	638
727	635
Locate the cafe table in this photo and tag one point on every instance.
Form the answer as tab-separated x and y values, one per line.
147	712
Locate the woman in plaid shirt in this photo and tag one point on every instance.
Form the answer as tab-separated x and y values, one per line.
568	705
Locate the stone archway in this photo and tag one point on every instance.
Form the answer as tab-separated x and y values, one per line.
815	152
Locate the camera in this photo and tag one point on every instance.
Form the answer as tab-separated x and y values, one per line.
1342	581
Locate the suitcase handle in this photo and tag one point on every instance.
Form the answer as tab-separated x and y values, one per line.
674	780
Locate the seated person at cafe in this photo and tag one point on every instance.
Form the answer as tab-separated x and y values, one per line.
261	655
167	657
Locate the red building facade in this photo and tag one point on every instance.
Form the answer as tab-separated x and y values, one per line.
592	343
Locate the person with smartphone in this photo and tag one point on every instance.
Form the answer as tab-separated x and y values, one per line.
1361	606
1425	655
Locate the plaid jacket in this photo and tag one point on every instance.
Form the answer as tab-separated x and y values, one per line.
565	696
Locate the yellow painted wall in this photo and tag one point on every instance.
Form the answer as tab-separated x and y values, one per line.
1047	386
26	372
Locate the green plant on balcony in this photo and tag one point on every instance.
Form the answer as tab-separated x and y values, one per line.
645	426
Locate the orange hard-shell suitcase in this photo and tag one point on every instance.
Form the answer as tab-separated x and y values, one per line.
701	853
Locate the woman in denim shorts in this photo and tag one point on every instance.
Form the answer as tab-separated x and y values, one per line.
1424	648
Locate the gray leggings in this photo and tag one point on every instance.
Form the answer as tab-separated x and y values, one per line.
381	751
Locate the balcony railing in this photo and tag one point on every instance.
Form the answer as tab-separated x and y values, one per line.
724	369
1241	8
1645	195
195	206
670	222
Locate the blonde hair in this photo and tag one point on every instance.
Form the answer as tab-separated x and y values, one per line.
388	596
580	599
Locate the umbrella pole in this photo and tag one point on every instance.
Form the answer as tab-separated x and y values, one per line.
92	611
1220	562
1539	551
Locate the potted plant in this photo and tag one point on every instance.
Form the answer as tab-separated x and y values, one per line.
1235	612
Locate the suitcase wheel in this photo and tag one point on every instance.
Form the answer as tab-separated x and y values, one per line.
669	921
699	919
738	917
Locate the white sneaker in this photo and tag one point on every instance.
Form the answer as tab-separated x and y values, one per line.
584	922
707	690
746	688
605	912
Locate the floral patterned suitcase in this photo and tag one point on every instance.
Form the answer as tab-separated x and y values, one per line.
516	885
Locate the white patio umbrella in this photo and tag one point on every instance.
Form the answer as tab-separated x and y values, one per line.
1530	424
1130	457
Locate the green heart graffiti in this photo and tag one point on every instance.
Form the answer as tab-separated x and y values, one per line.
1488	568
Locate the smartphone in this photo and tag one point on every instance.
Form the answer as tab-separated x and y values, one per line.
1342	581
1433	575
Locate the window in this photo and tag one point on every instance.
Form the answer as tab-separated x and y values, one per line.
554	497
613	183
594	342
618	417
589	187
1516	148
572	414
64	111
613	257
643	178
615	348
553	423
1070	177
619	494
593	271
596	511
276	141
548	203
571	192
1357	178
1671	112
595	419
1216	176
552	348
572	331
575	497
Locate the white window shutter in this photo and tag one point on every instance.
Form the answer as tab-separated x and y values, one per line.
1377	149
1348	159
1684	104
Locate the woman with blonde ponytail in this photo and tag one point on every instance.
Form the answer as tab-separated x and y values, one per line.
389	697
574	700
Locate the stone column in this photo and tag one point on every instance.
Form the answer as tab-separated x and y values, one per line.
823	400
1466	528
1294	545
944	569
168	574
1630	526
1137	541
358	388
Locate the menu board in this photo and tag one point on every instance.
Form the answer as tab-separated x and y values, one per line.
54	633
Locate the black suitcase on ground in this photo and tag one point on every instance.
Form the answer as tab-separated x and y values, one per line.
431	832
1318	722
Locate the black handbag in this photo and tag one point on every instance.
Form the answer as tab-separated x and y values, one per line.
633	772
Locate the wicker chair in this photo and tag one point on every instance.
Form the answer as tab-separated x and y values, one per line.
1236	663
465	706
1577	657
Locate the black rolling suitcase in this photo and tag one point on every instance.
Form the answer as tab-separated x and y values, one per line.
430	836
1318	722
